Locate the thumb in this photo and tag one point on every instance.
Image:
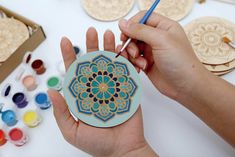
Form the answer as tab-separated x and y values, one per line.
65	121
141	32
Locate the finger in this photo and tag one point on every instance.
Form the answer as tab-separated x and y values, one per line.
65	121
124	53
133	50
148	34
123	37
68	52
92	43
155	20
109	41
140	62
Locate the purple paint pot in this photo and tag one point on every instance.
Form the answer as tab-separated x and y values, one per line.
20	100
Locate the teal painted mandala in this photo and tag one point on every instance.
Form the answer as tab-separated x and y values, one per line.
103	89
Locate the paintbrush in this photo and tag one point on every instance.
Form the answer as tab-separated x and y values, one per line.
142	21
229	42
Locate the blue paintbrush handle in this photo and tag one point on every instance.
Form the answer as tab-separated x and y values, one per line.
150	11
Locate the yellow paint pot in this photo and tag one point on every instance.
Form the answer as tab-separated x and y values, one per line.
31	119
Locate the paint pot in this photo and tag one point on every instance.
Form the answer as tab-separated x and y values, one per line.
29	82
6	90
54	83
3	139
42	101
38	66
20	100
17	137
9	118
31	119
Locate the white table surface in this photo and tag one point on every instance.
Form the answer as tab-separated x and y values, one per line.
171	129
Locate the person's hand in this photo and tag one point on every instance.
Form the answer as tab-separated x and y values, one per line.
168	58
123	140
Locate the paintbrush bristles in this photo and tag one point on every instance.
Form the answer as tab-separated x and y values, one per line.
226	40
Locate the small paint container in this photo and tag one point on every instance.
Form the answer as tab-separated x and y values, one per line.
30	82
9	118
54	83
17	137
42	101
38	66
31	119
20	100
3	139
6	90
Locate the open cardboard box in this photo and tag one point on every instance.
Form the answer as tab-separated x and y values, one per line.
35	39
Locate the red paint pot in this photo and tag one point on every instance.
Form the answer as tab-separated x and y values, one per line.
17	137
38	66
3	139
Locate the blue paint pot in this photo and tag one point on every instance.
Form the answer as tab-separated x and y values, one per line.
20	100
42	101
9	118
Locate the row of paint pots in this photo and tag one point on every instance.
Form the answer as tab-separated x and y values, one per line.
16	136
9	117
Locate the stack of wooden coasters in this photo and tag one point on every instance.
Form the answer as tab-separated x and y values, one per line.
206	36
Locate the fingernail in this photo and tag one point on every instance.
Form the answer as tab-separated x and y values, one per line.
144	65
123	23
132	52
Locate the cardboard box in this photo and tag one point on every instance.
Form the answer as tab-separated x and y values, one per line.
35	39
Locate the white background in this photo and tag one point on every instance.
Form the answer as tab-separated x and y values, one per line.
172	130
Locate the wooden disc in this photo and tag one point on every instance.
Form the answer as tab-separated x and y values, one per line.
173	9
107	10
206	34
13	33
223	72
221	68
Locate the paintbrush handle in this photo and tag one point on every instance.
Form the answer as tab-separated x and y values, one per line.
150	11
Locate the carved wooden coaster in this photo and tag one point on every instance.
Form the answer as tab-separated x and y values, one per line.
173	9
13	33
107	10
206	34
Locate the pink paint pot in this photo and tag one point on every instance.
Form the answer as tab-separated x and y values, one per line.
17	137
29	83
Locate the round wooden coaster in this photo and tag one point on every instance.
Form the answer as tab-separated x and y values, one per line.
107	10
221	68
12	34
102	90
173	9
206	34
222	73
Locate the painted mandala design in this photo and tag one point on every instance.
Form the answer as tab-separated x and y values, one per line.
206	39
102	88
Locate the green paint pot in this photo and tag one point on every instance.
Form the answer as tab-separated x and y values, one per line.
55	83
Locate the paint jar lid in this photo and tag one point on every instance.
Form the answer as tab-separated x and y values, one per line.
16	134
27	58
37	64
2	138
54	82
31	118
6	90
20	74
41	98
76	49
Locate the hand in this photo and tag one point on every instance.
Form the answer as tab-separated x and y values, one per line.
123	140
168	60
